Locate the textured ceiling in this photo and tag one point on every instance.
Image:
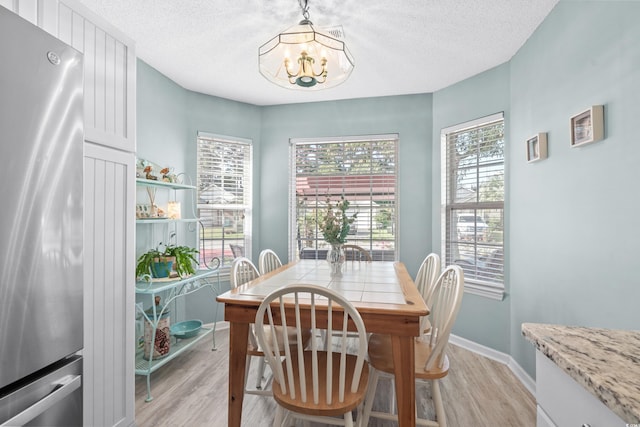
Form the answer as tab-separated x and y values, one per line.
399	47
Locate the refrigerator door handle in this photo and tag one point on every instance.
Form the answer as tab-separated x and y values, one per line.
61	389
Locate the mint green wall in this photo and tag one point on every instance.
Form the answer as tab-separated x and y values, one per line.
161	118
409	116
480	319
571	232
573	237
570	243
169	118
161	123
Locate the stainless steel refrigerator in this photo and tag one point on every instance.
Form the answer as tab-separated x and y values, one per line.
41	251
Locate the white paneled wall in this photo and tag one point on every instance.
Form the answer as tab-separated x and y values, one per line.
109	66
109	318
109	70
109	190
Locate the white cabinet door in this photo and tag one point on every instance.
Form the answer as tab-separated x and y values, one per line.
109	66
565	402
110	74
109	271
28	9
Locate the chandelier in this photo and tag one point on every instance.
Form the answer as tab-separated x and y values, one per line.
306	57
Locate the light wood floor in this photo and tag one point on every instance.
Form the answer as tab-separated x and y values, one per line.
191	390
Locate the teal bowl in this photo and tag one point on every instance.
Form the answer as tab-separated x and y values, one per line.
186	329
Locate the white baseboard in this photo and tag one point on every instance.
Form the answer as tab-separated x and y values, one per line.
498	356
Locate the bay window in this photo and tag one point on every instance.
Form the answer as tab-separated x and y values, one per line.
473	202
363	170
224	195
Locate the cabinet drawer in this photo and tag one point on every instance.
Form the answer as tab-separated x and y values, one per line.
565	401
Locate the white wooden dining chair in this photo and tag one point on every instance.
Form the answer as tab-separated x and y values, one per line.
431	361
243	271
356	253
237	250
353	254
268	261
313	385
425	282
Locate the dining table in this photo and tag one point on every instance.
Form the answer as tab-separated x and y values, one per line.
383	293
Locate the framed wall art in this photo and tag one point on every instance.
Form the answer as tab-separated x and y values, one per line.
587	126
537	147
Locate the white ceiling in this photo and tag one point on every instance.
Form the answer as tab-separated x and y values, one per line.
399	47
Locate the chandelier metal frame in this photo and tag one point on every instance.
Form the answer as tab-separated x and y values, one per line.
311	47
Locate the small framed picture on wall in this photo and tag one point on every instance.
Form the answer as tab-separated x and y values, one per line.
587	126
537	147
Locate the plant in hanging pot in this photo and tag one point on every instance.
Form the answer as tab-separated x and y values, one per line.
159	262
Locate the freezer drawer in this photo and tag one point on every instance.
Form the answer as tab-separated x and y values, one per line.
52	399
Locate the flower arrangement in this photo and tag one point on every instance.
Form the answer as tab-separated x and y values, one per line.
336	224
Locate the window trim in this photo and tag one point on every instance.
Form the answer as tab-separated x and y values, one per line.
292	232
472	286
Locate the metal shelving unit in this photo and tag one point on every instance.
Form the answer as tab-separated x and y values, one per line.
163	184
170	289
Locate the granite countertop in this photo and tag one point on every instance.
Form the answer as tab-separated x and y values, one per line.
606	362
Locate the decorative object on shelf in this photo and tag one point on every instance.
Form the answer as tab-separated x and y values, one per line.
173	210
537	147
153	172
161	263
143	211
149	175
162	266
186	329
312	47
587	126
140	168
154	211
161	322
168	175
335	227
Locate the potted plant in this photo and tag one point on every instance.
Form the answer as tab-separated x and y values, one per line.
160	262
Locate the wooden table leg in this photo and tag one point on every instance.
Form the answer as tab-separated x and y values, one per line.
238	337
403	362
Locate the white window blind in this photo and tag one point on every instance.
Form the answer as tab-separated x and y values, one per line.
473	214
224	197
363	170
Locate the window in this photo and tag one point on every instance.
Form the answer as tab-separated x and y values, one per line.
224	197
363	170
473	202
